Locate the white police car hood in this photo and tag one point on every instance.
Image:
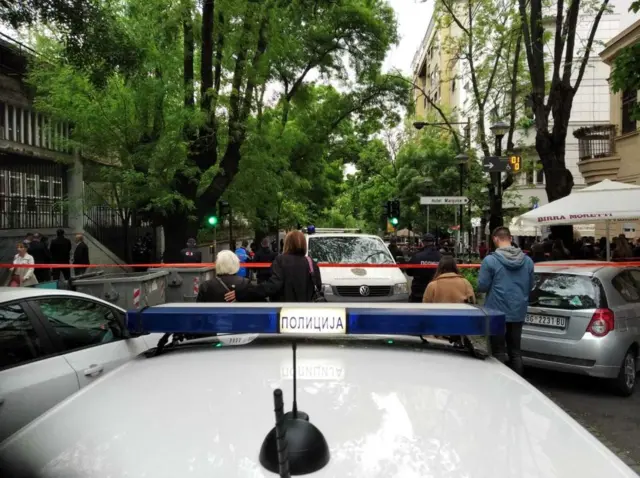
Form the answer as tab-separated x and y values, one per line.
358	276
385	411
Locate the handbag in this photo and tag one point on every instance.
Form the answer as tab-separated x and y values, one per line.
318	296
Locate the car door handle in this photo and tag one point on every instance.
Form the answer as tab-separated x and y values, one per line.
93	370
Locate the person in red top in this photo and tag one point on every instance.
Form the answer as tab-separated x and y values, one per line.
483	249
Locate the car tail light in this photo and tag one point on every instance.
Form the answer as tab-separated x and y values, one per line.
602	322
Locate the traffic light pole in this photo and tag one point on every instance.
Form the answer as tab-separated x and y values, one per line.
230	228
215	243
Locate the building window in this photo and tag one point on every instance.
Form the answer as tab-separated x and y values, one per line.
535	175
629	101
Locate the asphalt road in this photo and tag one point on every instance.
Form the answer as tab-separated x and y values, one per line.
612	419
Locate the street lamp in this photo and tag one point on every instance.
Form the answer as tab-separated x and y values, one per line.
499	130
462	159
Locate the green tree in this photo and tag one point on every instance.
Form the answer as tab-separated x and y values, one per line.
625	74
427	167
483	43
555	79
211	67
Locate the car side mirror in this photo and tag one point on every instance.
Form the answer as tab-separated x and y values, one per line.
400	260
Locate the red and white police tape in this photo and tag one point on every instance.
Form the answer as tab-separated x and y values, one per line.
260	265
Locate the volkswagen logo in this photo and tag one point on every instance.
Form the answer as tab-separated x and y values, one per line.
364	291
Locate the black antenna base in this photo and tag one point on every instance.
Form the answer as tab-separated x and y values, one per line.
299	414
306	446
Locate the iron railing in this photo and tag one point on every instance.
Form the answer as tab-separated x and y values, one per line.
31	213
32	194
116	230
596	141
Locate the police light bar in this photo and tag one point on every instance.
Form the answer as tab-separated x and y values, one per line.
318	319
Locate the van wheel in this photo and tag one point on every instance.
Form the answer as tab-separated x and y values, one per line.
624	384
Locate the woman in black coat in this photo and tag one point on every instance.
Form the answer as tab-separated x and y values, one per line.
294	276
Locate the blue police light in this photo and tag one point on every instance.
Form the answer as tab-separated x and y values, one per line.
311	229
313	319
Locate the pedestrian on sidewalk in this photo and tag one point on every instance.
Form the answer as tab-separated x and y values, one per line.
40	253
507	277
22	276
80	255
60	250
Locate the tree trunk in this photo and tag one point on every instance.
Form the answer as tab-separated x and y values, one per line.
558	179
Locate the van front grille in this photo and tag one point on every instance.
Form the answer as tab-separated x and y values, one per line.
354	291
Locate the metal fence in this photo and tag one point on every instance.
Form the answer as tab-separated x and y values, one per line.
32	195
117	233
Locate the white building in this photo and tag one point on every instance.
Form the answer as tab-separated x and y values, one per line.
447	82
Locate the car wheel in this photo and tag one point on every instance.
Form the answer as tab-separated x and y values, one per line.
625	383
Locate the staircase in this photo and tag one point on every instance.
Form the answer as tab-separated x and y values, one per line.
106	226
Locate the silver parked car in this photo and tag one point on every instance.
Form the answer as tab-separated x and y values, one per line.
52	344
585	320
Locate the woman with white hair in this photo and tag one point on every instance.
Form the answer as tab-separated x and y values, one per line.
226	279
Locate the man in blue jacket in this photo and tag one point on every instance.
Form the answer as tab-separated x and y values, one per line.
507	277
243	256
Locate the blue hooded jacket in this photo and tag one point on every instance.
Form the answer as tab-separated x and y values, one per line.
241	252
507	278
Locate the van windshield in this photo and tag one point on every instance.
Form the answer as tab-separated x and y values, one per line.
566	291
349	250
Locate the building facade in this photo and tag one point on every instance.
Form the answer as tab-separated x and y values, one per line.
610	150
41	176
590	107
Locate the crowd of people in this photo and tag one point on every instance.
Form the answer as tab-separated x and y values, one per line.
35	249
506	277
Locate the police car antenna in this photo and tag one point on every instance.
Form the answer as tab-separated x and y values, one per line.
294	446
281	435
294	407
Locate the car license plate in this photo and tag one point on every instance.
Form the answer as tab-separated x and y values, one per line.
546	321
313	321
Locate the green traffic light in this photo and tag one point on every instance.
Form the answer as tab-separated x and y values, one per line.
212	220
394	221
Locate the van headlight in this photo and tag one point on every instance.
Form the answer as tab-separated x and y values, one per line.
327	289
400	288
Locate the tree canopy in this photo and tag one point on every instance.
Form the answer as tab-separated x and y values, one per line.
224	100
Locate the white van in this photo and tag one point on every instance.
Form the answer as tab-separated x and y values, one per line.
357	284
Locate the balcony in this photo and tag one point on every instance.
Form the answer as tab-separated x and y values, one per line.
597	153
27	132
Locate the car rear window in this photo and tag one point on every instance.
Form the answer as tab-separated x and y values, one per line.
566	291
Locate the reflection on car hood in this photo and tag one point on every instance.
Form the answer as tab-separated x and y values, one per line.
385	410
371	276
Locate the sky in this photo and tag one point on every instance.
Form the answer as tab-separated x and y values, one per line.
413	19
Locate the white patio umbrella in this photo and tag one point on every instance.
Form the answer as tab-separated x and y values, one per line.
606	201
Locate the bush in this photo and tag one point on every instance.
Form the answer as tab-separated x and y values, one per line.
472	276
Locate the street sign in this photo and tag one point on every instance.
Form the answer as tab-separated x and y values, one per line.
501	164
496	164
443	200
